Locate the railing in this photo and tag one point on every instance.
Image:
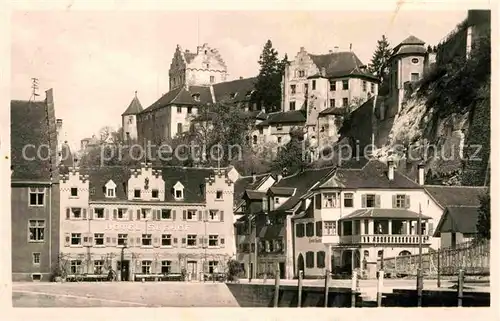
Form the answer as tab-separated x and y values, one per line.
383	239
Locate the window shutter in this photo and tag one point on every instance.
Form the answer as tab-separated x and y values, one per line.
200	215
131	240
222	242
320	259
377	201
205	215
184	214
407	203
85	240
222	216
405	228
107	214
130	214
363	201
91	213
91	240
318	201
394	202
153	214
319	228
201	241
68	213
138	215
138	241
115	214
175	241
108	240
114	240
183	243
156	242
158	215
173	215
431	228
67	239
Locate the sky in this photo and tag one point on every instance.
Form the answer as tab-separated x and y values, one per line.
96	60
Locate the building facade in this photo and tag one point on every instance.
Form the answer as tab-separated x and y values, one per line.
147	221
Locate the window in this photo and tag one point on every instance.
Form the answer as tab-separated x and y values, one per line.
364	85
414	60
178	193
348	200
189	110
76	238
306	88
218	195
145	213
166	240
212	79
137	193
314	85
345	84
122	213
302	73
179	128
310	229
191	240
333	85
76	212
146	240
213	215
320	259
277	200
292	105
37	230
332	102
196	97
212	266
122	239
370	201
372	87
345	102
414	76
110	192
213	240
166	267
279	140
293	89
330	228
330	200
130	120
261	130
279	127
400	201
179	109
36	258
37	196
154	193
319	228
146	267
99	238
74	192
98	265
309	259
166	214
191	215
99	212
75	266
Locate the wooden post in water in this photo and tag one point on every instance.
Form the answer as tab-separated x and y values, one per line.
327	287
380	287
460	286
438	268
299	299
276	286
420	283
354	288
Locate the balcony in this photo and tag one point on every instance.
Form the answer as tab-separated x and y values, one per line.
391	239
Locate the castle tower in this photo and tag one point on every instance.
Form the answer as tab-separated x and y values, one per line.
201	68
129	119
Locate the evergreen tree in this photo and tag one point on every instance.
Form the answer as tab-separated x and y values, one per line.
379	63
294	155
284	62
484	219
268	85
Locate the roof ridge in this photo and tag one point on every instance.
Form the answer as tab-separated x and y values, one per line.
455	186
474	206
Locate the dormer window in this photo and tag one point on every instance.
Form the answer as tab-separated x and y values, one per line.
279	126
178	191
196	97
110	189
137	193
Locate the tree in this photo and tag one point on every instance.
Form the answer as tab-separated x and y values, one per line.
484	219
268	85
379	63
294	155
283	64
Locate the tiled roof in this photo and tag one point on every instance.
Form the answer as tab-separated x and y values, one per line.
340	64
333	111
411	45
246	182
461	219
193	180
29	124
412	40
271	232
302	182
235	90
255	195
134	108
293	116
372	175
456	195
183	96
284	191
383	213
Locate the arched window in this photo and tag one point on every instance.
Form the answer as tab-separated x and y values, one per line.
320	259
255	139
310	259
404	253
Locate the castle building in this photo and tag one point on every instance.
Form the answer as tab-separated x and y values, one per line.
147	222
129	120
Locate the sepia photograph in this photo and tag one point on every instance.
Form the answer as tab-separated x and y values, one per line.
328	159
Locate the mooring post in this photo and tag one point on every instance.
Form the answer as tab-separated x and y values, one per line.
460	286
299	299
438	268
354	288
419	287
276	286
380	286
327	288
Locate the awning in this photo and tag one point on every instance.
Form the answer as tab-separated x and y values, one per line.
394	213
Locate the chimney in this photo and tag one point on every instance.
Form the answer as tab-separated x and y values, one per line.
323	71
49	96
241	77
278	178
254	177
350	47
336	49
390	170
421	173
330	51
302	49
59	123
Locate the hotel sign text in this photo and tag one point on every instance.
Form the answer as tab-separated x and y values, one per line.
144	226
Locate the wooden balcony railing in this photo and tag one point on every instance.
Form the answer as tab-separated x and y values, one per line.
384	239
